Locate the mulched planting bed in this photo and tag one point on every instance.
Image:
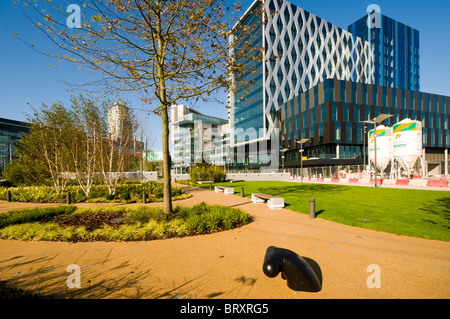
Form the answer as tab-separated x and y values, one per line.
91	220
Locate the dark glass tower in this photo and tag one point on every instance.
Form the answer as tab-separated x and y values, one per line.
396	52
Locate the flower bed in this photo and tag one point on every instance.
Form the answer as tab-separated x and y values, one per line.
113	223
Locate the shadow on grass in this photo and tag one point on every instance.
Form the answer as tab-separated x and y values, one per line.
319	212
302	189
439	208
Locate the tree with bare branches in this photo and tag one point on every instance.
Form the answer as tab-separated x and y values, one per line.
170	51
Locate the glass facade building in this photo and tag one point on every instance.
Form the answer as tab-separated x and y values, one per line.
297	50
10	131
317	81
197	138
330	115
396	52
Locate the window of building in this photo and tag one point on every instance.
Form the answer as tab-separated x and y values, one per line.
364	93
329	90
346	112
423	120
334	111
337	126
359	133
349	132
323	112
321	133
305	119
356	113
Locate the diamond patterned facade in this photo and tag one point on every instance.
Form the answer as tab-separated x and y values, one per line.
300	51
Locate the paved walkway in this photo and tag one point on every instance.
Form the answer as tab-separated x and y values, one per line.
229	264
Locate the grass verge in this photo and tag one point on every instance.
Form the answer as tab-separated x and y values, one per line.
410	212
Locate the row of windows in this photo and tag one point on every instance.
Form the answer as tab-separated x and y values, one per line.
357	93
345	132
356	113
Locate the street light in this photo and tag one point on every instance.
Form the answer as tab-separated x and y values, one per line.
364	142
301	142
282	156
380	118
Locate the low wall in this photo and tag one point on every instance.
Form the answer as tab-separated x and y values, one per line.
260	177
418	182
181	177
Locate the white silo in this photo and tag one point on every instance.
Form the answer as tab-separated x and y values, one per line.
384	147
407	142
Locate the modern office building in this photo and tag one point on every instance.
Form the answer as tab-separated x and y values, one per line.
396	51
197	138
331	116
10	131
312	80
299	50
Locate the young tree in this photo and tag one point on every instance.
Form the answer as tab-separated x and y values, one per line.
115	144
48	142
169	50
83	146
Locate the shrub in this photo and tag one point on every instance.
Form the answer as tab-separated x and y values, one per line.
207	172
33	215
99	193
144	214
140	222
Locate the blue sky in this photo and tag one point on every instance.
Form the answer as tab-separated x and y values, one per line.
25	75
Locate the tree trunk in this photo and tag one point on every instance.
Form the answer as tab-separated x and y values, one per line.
166	161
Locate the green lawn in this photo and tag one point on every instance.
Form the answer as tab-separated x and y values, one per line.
417	213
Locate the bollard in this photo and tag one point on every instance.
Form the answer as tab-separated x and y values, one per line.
68	199
188	182
312	208
144	197
210	186
8	196
242	191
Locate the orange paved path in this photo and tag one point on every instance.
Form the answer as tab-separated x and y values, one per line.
229	264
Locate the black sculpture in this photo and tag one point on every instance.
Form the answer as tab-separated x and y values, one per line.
298	272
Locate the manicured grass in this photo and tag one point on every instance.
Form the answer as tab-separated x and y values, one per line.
417	213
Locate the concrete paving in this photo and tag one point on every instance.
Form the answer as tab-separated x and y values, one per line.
229	264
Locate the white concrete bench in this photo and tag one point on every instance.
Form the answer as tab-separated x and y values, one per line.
225	190
272	201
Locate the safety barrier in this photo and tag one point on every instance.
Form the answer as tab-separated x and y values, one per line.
381	181
402	182
437	183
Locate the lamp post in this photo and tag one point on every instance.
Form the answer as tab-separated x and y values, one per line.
380	118
301	142
282	156
364	142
